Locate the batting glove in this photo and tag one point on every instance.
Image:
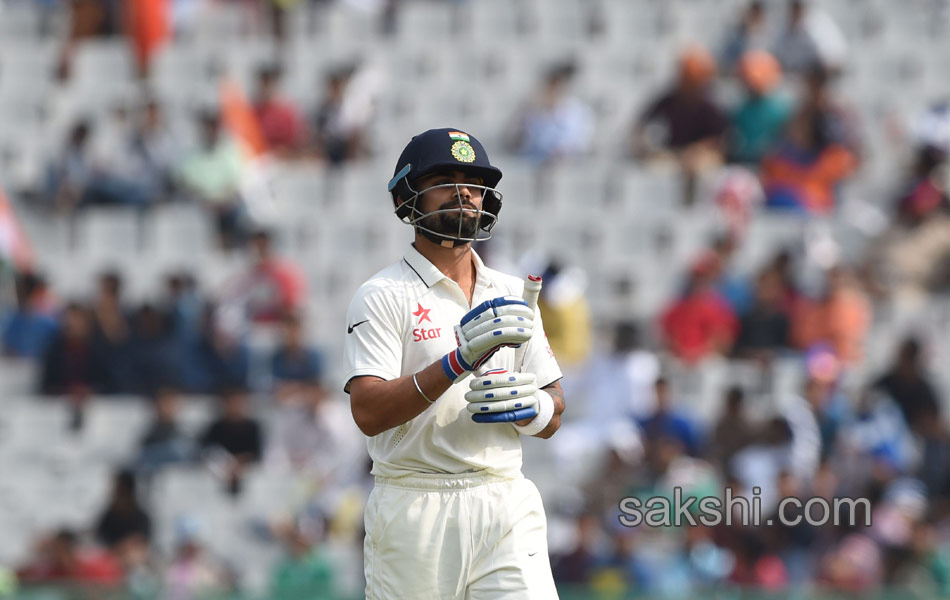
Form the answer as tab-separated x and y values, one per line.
490	326
502	397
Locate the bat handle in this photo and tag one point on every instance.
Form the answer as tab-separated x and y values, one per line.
532	289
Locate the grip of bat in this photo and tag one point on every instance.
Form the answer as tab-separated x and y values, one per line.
532	289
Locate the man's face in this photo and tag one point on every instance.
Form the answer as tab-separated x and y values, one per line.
459	197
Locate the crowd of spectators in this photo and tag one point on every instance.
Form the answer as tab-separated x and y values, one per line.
789	141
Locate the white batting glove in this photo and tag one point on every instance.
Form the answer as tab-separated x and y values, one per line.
490	326
502	397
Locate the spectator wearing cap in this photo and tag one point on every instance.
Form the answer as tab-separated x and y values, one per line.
758	121
279	120
555	124
684	123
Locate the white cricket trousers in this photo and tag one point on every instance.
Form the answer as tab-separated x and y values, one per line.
471	537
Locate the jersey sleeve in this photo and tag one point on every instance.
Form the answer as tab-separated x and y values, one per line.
373	344
539	358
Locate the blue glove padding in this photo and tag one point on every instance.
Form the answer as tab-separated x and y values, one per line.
506	417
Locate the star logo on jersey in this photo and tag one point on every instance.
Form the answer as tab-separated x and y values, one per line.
422	313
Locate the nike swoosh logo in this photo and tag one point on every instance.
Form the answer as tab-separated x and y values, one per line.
531	553
355	325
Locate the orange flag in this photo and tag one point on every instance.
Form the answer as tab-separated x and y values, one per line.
14	246
239	119
148	27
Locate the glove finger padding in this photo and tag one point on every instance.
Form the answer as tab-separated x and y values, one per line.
473	331
501	391
497	406
497	378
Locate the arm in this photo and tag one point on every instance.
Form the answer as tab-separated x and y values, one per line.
378	405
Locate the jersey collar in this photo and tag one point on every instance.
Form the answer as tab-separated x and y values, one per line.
430	275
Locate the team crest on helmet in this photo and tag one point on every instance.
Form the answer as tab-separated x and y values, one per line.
462	151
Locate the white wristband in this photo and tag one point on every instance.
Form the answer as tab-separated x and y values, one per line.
540	421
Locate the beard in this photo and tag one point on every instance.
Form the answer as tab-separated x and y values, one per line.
453	224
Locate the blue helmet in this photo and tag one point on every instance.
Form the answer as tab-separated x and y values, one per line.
444	150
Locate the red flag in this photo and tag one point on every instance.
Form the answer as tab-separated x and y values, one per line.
239	119
14	246
148	27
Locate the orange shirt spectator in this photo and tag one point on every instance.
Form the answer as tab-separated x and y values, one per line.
842	319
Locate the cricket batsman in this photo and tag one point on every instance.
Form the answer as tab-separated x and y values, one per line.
447	365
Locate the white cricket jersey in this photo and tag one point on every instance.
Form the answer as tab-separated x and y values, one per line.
401	321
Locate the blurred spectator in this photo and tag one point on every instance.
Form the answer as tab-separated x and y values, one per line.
71	365
764	327
811	39
758	121
279	119
234	440
566	311
313	434
911	259
762	462
61	559
733	431
554	124
111	335
151	354
700	323
306	570
841	317
734	289
907	384
816	153
666	422
342	118
192	572
220	357
154	148
748	35
620	384
28	331
578	565
684	123
164	441
123	521
270	288
211	175
294	364
69	174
